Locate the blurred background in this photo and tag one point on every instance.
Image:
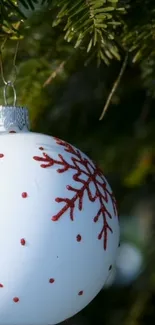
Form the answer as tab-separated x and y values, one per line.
65	96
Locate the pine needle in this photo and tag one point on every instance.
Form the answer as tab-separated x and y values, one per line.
54	74
115	86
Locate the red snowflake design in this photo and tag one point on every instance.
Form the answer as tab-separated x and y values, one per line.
81	166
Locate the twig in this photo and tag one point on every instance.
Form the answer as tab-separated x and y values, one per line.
54	74
115	85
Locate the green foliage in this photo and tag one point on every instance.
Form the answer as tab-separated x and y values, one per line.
92	25
100	29
9	18
30	4
139	33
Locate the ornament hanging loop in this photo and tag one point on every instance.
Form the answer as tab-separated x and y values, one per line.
9	83
6	86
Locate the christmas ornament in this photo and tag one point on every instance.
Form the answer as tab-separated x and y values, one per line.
110	279
59	229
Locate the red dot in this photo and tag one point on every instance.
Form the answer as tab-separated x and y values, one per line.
41	148
23	242
51	280
1	285
1	155
15	299
80	293
12	131
78	237
24	195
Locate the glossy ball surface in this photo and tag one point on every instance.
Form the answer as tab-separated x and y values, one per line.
59	230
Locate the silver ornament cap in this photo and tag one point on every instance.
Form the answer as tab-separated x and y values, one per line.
14	119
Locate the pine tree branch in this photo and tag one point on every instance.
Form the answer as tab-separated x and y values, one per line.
90	25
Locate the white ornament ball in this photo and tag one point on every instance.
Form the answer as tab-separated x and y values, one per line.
111	279
59	229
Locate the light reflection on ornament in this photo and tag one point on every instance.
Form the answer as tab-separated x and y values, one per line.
59	229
